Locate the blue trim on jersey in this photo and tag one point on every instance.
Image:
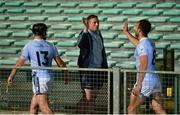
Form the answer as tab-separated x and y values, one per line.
36	84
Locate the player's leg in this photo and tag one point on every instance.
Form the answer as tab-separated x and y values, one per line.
86	103
135	101
81	104
94	84
156	97
43	103
157	103
34	105
42	87
89	100
88	86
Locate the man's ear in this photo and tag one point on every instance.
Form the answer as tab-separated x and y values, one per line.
139	30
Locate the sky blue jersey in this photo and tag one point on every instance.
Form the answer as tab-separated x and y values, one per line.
146	47
151	82
40	53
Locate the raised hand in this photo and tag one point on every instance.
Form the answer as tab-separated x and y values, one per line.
125	28
85	24
130	37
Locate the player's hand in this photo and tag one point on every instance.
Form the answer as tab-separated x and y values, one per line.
136	90
85	24
125	28
10	81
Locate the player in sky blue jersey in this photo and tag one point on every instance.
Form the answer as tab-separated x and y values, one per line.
40	53
147	84
146	47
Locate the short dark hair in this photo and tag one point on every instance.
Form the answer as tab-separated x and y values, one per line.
39	29
145	26
91	16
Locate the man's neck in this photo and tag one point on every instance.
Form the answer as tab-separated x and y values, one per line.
141	36
37	37
93	31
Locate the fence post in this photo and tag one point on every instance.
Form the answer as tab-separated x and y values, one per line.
124	92
116	91
176	95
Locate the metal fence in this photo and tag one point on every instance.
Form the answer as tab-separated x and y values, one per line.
113	97
170	91
64	98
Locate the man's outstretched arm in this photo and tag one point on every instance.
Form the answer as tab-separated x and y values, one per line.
131	38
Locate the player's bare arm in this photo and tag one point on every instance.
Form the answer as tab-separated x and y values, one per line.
143	67
59	61
131	38
19	63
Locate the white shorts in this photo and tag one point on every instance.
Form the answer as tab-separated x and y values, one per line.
42	84
151	84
